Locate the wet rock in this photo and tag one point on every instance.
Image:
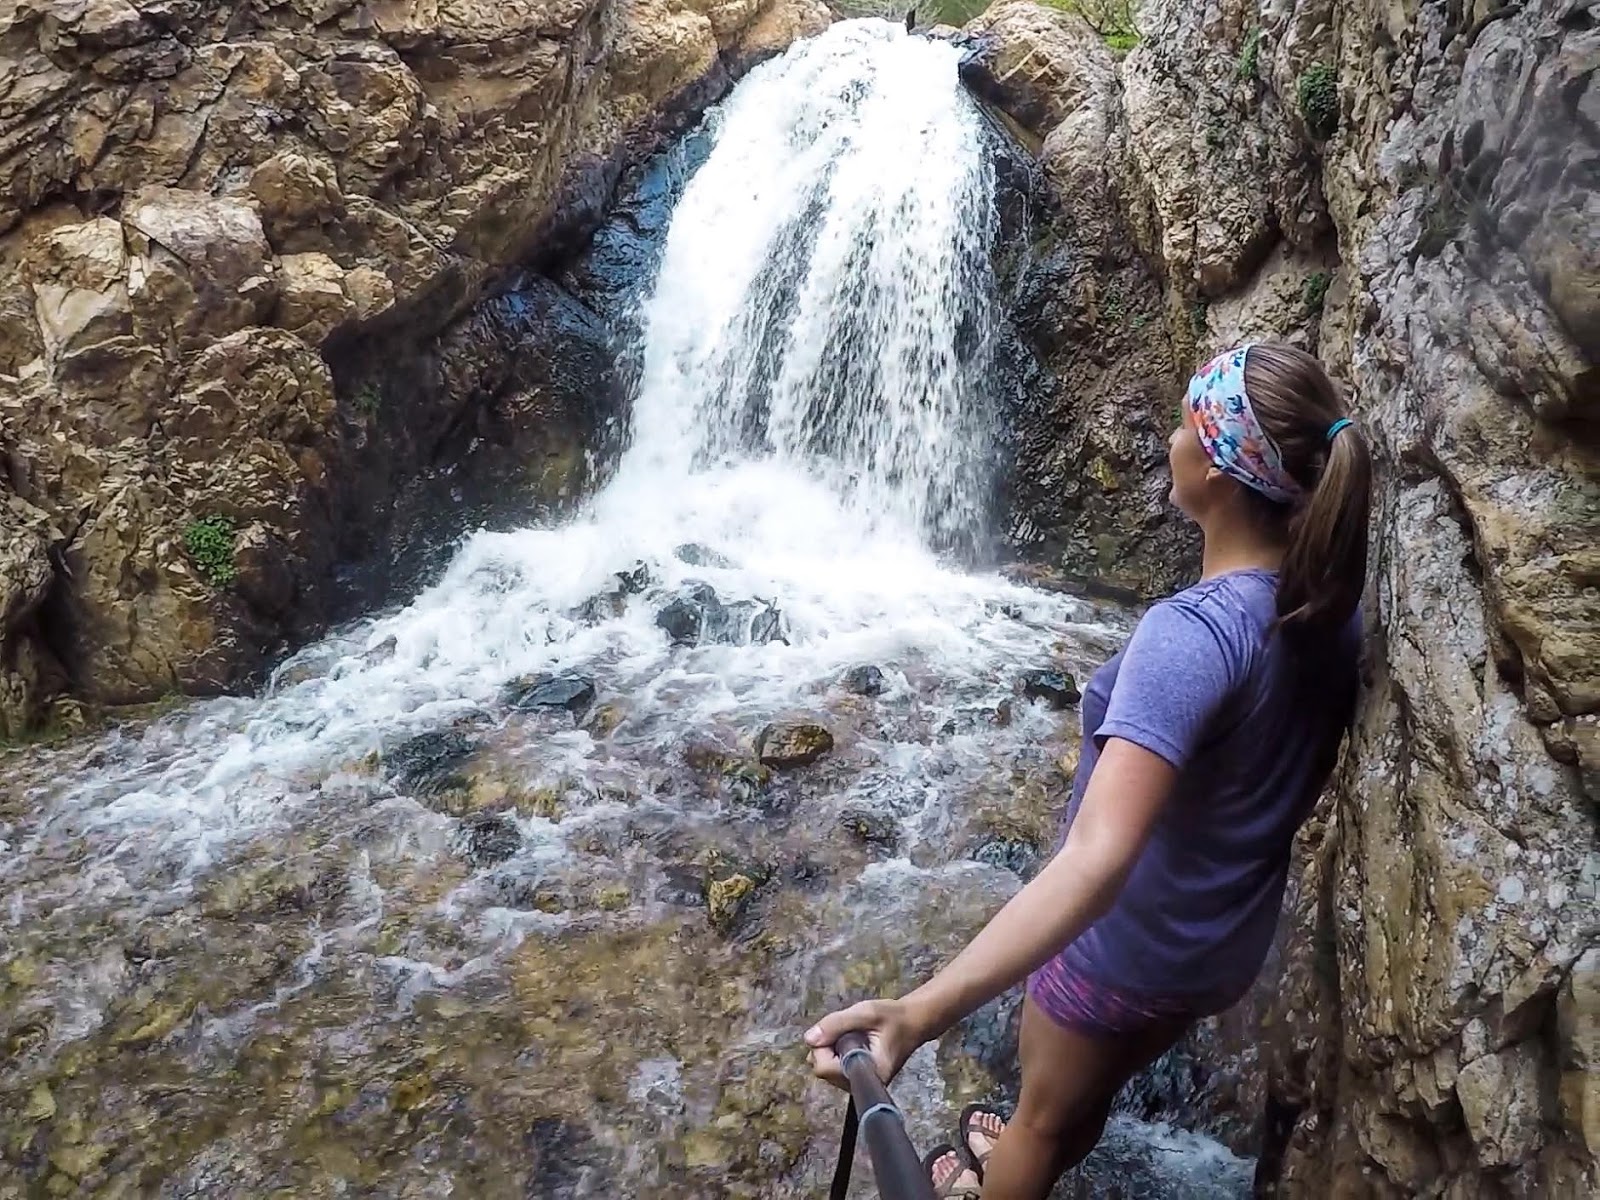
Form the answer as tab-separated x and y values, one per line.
1056	688
431	762
697	555
746	779
866	680
683	887
686	616
767	625
873	826
786	744
726	901
602	722
635	579
1017	855
575	693
488	839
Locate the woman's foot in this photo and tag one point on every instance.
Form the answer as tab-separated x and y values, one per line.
981	1127
952	1174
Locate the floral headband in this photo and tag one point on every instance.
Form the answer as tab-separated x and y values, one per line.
1230	434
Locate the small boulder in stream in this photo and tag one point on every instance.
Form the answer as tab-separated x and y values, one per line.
687	614
865	680
427	763
697	616
575	693
1056	688
792	743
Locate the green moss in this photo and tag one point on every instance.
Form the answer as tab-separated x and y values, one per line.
210	544
1249	55
369	399
1199	312
1318	92
1315	292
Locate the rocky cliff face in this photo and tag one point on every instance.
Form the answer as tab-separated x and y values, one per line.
1414	189
209	214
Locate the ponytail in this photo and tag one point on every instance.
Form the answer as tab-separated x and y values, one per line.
1324	568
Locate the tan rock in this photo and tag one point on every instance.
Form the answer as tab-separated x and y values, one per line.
298	195
25	571
79	276
1500	1103
201	267
396	155
312	301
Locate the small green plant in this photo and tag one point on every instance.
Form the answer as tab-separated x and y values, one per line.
1318	91
369	399
1112	308
210	544
1249	54
1315	293
1113	20
1199	314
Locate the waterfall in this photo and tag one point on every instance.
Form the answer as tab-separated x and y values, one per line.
825	296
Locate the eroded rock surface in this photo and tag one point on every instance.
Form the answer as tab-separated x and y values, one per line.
201	207
1410	189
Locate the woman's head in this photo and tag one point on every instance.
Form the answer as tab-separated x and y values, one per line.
1265	436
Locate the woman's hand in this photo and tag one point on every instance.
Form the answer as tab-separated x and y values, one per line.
893	1033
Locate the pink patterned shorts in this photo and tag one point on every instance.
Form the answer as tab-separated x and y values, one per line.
1075	1000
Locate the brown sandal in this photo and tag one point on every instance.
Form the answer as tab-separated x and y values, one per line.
979	1161
952	1188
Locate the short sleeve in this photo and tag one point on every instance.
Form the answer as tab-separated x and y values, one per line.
1177	671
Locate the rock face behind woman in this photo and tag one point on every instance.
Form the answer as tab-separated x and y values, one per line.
198	208
1442	254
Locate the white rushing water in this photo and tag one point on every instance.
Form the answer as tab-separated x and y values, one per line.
811	411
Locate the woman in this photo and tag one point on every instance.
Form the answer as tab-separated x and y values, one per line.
1206	742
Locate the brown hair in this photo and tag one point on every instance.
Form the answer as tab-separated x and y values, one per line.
1325	566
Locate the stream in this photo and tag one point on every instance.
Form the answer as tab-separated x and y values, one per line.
490	894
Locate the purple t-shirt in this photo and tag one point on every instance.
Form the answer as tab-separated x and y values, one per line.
1253	727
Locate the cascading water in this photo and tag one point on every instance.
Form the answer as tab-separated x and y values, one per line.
391	928
824	300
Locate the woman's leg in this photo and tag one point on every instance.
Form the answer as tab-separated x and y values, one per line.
1068	1083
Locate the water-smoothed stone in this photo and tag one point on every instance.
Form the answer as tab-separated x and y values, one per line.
431	762
686	616
786	744
604	719
865	680
727	899
870	825
1056	688
1017	855
575	693
488	839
